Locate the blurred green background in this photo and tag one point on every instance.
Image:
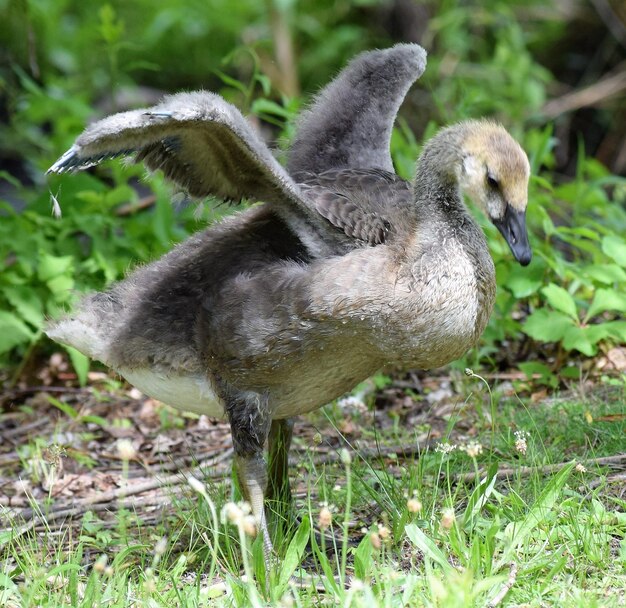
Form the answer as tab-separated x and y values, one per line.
552	71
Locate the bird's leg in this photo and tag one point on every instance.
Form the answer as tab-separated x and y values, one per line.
279	491
252	475
249	419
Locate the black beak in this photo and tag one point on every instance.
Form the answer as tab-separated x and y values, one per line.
513	229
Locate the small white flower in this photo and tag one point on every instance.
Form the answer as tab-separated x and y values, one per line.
249	526
447	519
345	456
161	546
473	449
232	513
352	402
126	450
196	485
413	505
384	532
521	443
325	518
445	448
357	584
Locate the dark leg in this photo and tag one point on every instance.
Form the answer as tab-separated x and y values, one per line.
281	432
249	426
278	490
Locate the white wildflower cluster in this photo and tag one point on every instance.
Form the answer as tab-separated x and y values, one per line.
445	448
473	449
581	468
352	402
521	441
239	514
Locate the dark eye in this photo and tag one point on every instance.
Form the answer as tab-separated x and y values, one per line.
492	181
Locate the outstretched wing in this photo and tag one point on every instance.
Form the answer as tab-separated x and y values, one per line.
199	141
349	123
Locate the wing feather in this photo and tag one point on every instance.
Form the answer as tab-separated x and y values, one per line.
200	142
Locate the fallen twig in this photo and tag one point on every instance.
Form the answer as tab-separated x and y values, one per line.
617	478
505	587
548	468
592	95
107	499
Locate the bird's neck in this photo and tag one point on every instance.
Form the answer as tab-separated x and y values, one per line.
436	186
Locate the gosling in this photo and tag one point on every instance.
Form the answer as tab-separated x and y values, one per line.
343	269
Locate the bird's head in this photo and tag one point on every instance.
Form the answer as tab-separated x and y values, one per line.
494	172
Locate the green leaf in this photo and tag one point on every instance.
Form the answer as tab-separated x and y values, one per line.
605	273
80	363
547	325
64	407
560	299
527	283
295	551
61	287
546	376
26	303
520	531
579	338
607	299
615	248
329	577
479	497
427	546
51	266
363	558
616	329
267	106
13	332
601	331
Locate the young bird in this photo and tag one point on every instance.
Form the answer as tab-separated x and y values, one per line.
343	269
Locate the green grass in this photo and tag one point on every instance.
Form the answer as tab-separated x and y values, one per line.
439	530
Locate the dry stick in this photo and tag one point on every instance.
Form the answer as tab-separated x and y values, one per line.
110	506
130	208
25	428
611	20
105	499
588	96
598	482
549	468
505	588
